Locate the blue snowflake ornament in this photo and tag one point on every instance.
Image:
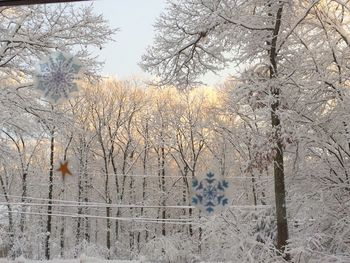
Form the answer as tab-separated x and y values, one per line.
56	76
209	193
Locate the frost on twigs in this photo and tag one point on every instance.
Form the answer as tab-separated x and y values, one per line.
56	76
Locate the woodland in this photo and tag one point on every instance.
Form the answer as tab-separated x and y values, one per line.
277	130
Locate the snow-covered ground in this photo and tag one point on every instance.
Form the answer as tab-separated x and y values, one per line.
80	260
91	260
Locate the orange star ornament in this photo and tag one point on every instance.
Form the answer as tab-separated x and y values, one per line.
64	169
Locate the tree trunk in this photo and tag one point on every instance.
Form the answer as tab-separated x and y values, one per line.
49	206
280	193
79	221
132	231
9	209
108	212
108	231
144	185
116	182
163	188
63	223
86	201
23	200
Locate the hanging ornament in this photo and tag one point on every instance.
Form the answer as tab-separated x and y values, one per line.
209	193
56	76
64	170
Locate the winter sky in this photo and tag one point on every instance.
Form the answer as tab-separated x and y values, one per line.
135	20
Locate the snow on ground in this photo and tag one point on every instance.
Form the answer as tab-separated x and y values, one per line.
71	261
81	260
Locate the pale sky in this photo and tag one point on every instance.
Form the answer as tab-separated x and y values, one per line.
135	20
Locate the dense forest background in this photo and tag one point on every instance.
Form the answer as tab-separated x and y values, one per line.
134	148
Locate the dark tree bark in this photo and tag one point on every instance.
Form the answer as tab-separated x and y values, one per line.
280	192
49	206
79	219
163	185
9	209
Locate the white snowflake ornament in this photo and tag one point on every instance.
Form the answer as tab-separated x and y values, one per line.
209	193
56	76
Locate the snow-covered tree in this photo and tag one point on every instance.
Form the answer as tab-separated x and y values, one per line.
27	34
195	37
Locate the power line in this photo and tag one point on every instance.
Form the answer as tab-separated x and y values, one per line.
104	205
52	200
176	176
116	205
179	221
99	204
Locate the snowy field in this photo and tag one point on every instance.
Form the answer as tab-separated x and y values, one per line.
81	260
71	261
86	260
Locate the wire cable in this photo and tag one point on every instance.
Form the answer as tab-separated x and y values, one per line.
134	219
